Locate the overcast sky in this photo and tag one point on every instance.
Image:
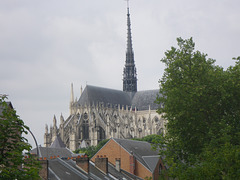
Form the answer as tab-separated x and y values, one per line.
47	45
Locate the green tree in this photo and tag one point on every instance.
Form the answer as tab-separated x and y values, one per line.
202	107
92	150
13	165
154	139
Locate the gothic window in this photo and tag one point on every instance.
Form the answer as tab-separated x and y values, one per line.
144	120
101	133
85	131
79	134
85	116
94	115
85	127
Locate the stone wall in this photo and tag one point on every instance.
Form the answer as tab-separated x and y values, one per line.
104	122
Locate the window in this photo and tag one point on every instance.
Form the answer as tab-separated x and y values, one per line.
160	169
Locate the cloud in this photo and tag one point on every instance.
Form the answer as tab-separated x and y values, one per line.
47	45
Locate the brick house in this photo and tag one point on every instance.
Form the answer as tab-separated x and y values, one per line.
58	162
135	157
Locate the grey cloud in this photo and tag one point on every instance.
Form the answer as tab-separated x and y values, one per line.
46	45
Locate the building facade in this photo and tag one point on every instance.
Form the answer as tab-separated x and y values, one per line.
102	113
134	157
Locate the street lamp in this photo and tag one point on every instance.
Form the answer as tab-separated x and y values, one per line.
34	140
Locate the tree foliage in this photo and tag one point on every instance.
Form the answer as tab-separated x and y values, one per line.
92	150
12	144
202	107
153	139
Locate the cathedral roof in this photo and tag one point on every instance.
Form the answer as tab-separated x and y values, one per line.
57	143
93	94
141	99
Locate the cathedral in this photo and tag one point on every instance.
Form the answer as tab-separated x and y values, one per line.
102	113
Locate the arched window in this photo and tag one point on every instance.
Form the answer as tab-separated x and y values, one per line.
85	127
101	133
160	169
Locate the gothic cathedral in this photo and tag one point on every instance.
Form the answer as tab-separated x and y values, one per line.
102	113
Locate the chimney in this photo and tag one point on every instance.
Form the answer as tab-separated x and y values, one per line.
102	163
118	164
83	163
132	163
43	172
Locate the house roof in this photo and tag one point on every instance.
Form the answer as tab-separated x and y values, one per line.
60	166
141	99
60	169
122	174
151	161
132	176
51	151
95	173
141	150
67	169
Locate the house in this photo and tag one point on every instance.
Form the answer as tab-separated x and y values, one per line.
82	168
58	162
134	157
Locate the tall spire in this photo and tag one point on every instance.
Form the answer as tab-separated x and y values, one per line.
72	95
129	72
71	106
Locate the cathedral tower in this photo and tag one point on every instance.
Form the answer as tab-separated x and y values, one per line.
129	72
102	113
